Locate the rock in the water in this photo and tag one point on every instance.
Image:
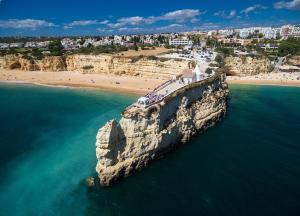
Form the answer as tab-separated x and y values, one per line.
145	133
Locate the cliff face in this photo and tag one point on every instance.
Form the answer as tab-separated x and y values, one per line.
144	134
125	65
244	66
105	63
17	62
49	63
52	63
294	60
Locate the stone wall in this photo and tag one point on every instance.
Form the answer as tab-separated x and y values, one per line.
145	133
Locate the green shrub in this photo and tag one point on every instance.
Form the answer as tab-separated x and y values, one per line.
87	67
289	46
152	57
208	71
136	58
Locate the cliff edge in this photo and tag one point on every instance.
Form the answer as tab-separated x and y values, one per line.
143	134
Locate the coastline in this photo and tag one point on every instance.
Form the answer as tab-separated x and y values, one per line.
67	79
278	79
126	84
265	82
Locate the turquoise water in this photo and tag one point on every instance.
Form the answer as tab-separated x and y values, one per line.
248	164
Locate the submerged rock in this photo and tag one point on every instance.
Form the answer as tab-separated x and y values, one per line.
90	182
143	134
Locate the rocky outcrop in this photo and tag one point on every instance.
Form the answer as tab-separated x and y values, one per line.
48	63
17	62
104	63
52	63
143	134
294	60
245	65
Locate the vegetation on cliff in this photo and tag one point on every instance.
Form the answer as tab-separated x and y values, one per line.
290	46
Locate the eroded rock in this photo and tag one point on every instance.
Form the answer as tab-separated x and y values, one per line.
143	134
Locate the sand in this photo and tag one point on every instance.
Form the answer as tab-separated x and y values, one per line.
128	84
282	79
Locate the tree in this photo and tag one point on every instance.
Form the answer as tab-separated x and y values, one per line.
136	48
289	46
220	60
36	53
226	51
208	71
55	48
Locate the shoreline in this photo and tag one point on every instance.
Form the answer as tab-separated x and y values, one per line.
115	83
67	79
273	78
265	83
76	86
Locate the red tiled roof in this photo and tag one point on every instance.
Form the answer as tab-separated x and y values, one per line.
187	73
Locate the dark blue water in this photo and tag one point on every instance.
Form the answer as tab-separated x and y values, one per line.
248	164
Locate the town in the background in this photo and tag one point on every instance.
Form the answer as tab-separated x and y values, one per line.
275	43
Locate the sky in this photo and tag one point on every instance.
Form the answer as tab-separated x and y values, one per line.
98	17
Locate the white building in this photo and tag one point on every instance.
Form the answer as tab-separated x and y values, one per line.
190	76
148	40
4	45
199	74
182	41
42	44
295	33
211	33
118	40
244	33
269	33
69	44
285	31
16	45
30	44
33	44
226	32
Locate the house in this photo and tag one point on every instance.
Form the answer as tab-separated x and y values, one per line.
182	41
4	45
16	45
188	77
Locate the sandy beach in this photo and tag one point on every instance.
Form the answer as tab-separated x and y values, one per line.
128	84
282	79
136	85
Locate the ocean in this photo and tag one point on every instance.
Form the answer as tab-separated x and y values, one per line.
248	164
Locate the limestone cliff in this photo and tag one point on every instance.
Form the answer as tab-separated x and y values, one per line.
52	63
118	65
244	66
104	63
17	62
294	60
145	133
